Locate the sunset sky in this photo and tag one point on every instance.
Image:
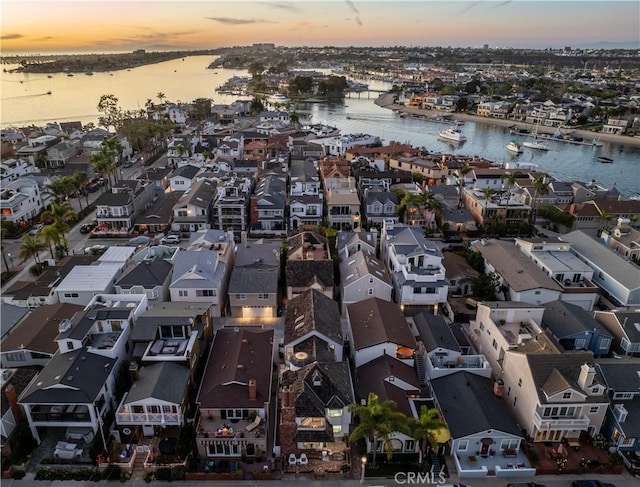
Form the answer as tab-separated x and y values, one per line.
118	25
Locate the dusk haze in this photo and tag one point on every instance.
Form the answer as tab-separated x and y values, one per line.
118	26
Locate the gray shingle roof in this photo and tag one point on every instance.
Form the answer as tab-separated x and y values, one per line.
374	321
256	278
566	320
309	311
148	274
164	381
435	332
469	406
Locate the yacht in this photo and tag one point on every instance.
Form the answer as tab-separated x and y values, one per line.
278	98
515	147
535	144
452	133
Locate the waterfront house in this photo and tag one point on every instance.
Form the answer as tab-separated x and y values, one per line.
555	395
623	239
440	352
193	211
415	265
312	330
309	264
176	332
157	399
31	343
391	380
22	200
625	328
268	203
75	388
380	206
235	394
314	416
501	326
615	276
622	423
377	327
363	276
576	329
200	276
485	437
151	277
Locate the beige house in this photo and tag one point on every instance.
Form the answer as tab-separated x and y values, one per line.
555	396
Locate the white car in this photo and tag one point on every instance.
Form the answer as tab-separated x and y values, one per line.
170	239
36	229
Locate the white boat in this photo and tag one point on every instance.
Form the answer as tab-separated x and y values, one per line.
278	98
452	133
535	143
515	147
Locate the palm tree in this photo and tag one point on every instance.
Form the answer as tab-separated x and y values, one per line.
487	192
510	178
161	96
377	420
51	237
31	246
59	188
61	214
81	179
427	424
462	171
539	188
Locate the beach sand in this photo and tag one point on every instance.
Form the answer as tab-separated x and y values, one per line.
386	101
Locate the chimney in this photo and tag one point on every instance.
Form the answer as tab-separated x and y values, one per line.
587	374
12	398
134	373
253	391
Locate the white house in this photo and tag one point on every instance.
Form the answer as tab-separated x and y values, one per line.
363	276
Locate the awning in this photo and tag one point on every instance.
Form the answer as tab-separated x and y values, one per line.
442	435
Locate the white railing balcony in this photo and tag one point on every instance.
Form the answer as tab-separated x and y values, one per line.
125	416
558	422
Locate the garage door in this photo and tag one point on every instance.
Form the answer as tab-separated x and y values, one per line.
257	311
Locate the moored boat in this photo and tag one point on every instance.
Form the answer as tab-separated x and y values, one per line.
605	159
515	147
452	133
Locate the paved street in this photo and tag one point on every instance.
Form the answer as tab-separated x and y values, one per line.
77	240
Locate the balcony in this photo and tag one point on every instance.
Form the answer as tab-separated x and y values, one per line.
60	413
102	213
225	429
555	422
172	350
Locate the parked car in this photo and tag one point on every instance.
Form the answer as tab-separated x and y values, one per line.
36	229
453	242
590	483
170	239
140	240
92	188
87	227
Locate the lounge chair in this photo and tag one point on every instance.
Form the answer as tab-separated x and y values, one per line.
292	459
303	459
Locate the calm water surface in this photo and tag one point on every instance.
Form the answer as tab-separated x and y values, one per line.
24	100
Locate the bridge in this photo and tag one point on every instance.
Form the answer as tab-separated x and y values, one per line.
351	93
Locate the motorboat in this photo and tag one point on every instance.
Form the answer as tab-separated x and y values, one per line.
605	160
278	98
515	147
452	133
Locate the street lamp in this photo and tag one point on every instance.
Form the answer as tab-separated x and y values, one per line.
364	464
10	261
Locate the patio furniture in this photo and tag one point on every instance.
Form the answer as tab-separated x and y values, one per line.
303	459
256	422
67	451
510	452
208	466
292	459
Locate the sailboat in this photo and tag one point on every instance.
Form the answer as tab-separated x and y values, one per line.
535	143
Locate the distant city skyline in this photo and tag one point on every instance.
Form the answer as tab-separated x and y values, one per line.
95	26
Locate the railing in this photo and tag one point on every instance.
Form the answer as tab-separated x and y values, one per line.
555	422
169	419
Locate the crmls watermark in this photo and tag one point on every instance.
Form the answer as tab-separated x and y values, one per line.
419	478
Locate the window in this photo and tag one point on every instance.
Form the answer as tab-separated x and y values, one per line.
337	428
17	356
206	292
623	395
153	409
509	444
263	296
168	409
495	344
370	291
409	445
151	293
334	413
371	280
519	382
183	293
463	445
580	343
241	297
605	343
70	295
628	442
566	395
593	409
